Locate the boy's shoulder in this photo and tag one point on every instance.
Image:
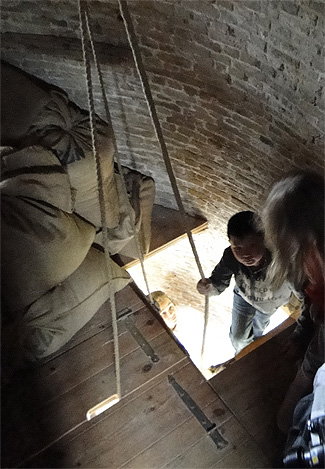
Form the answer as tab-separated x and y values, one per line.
227	254
229	258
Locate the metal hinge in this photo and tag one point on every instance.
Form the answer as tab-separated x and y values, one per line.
208	426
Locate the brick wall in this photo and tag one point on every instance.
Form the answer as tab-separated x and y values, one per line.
174	271
238	87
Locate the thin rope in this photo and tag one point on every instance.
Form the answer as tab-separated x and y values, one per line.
117	156
124	10
94	138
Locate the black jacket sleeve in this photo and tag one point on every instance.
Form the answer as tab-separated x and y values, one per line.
305	326
223	272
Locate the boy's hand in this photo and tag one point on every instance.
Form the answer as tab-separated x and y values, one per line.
204	286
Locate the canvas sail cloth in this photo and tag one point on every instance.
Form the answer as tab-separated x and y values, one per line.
53	281
50	215
46	117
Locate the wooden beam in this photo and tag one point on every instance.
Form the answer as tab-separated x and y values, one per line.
67	47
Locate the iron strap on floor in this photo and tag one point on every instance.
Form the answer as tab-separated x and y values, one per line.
208	426
136	334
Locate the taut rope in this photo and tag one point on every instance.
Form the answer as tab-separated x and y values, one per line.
124	10
116	153
85	51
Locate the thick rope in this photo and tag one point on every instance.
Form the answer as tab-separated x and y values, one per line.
124	10
116	153
94	138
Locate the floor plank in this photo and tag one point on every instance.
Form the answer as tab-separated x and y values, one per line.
44	422
55	454
241	449
76	364
142	423
262	378
58	401
169	445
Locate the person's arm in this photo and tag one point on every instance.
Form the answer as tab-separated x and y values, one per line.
222	273
300	387
303	333
303	382
305	326
220	277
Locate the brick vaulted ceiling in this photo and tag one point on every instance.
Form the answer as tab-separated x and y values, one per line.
238	87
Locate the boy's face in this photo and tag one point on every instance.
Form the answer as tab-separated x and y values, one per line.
168	312
248	250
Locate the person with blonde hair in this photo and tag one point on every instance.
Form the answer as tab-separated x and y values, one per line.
187	324
166	308
293	220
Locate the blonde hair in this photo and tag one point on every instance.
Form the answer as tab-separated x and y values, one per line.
293	219
158	297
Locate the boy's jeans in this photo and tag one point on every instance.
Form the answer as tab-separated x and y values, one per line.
247	322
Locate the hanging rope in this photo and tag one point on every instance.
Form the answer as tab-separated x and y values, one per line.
124	10
116	153
94	137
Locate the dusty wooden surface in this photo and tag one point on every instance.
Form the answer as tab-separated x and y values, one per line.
254	386
167	228
44	409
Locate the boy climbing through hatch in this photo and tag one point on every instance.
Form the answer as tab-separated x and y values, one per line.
247	259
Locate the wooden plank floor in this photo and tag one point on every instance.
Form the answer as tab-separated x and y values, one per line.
44	409
254	386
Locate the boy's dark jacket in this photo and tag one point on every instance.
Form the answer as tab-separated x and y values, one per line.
251	283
